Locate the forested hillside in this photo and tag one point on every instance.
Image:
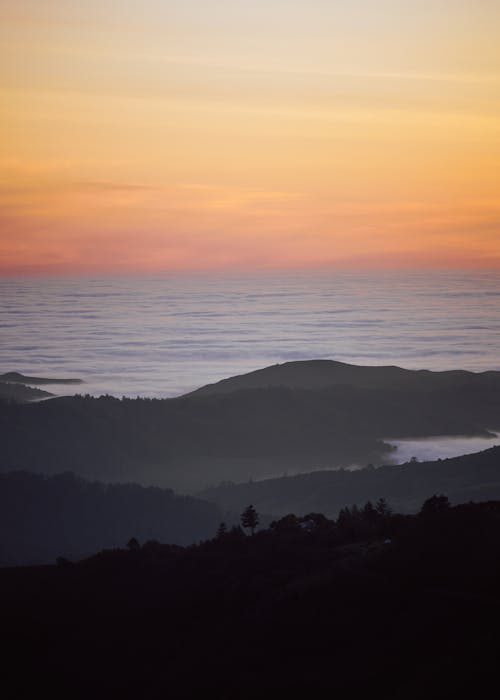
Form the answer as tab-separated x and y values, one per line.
43	518
474	477
373	605
190	442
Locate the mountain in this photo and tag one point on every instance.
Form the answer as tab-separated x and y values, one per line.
322	374
18	378
190	442
473	477
20	392
42	518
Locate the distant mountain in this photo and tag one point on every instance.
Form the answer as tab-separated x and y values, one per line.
184	444
18	378
473	477
42	518
190	442
322	374
21	393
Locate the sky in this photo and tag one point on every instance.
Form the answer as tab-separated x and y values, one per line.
160	135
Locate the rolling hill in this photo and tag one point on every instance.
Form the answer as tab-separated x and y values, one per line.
474	477
322	374
248	432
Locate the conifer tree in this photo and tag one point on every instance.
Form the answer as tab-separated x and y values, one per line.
250	518
221	530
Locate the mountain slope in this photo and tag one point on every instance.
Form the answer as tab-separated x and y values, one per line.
321	374
327	610
42	518
189	442
470	477
18	378
20	392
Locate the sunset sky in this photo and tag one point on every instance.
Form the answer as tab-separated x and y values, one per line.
227	134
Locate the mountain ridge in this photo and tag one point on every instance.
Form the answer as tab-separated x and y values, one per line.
18	378
467	477
321	373
251	432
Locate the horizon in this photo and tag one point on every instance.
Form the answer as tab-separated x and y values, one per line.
96	274
232	136
167	334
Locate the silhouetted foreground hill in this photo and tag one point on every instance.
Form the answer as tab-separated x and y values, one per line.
473	477
189	442
306	607
42	518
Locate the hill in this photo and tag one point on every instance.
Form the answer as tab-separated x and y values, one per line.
371	605
190	442
21	393
18	378
473	477
322	374
42	518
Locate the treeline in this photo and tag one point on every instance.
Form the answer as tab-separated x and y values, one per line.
372	603
375	525
45	517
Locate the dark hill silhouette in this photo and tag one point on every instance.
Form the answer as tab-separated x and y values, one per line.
189	442
42	518
470	477
18	378
373	605
321	374
21	393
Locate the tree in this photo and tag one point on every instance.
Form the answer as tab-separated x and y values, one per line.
250	518
221	530
63	562
382	508
289	523
370	514
133	545
435	506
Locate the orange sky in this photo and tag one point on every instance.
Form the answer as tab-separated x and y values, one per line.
207	134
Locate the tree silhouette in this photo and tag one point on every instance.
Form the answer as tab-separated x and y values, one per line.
289	523
133	545
382	507
221	530
435	506
370	514
250	518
